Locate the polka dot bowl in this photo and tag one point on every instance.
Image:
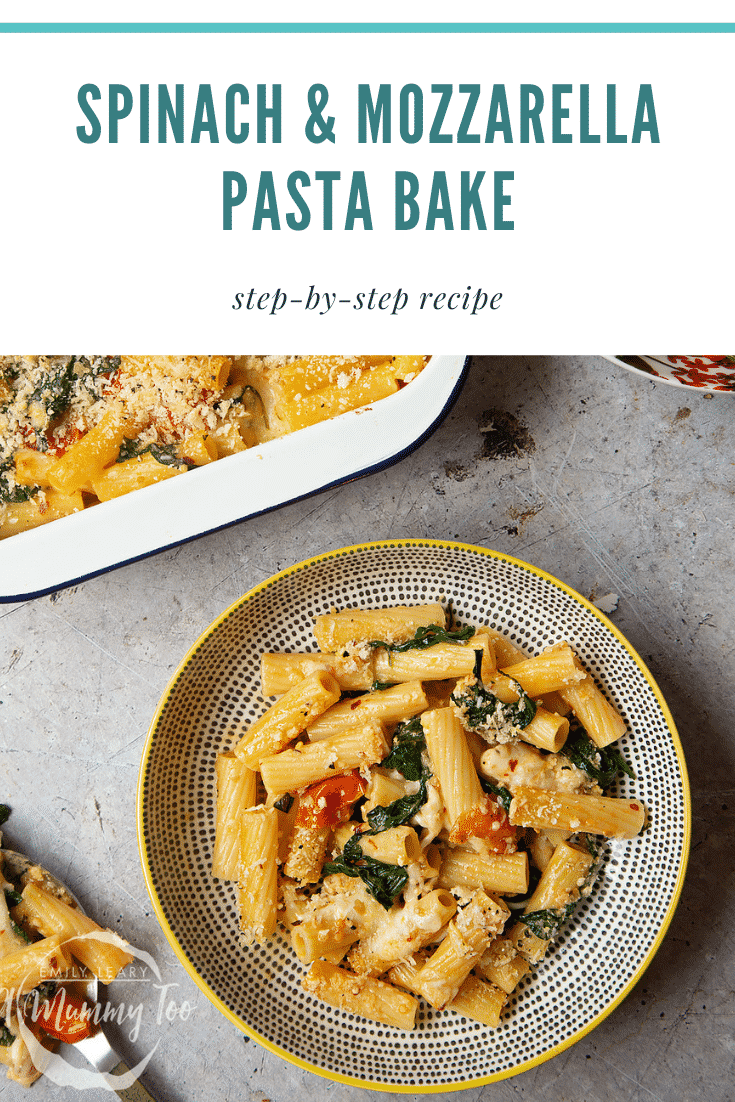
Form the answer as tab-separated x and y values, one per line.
576	986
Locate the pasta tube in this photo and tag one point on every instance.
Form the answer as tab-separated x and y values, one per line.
258	895
288	718
506	653
503	965
52	916
468	936
452	762
539	808
32	467
561	880
235	793
310	762
305	851
329	401
436	663
600	720
389	706
132	474
280	672
506	873
547	730
309	373
46	506
24	969
405	930
479	1000
552	670
83	461
335	630
363	995
560	884
312	941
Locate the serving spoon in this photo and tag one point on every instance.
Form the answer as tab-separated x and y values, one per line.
96	1048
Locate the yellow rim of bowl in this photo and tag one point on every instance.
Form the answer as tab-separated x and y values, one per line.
283	1053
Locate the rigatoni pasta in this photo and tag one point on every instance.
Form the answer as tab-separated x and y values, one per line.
78	430
429	842
47	947
235	793
258	873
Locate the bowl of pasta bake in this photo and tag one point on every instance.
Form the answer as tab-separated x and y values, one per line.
93	448
397	803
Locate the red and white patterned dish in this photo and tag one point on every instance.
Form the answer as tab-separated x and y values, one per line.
715	374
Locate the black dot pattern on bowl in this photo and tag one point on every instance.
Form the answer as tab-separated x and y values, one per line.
601	951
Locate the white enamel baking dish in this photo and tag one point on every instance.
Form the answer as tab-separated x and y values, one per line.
232	489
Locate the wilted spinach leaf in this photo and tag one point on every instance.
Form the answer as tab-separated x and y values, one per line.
162	453
384	882
426	637
483	709
601	763
408	743
18	493
503	794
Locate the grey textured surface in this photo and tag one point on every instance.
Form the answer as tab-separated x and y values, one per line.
611	482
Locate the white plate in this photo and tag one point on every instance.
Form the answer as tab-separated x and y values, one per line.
703	373
232	489
599	956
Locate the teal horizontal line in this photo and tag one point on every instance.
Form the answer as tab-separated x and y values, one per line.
367	28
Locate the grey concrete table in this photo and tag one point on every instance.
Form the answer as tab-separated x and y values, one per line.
613	483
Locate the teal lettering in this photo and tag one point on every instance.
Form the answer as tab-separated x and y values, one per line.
235	134
373	114
435	135
358	205
470	201
407	209
463	135
498	118
84	95
266	205
234	190
559	113
584	117
119	107
645	115
411	121
145	114
205	121
613	137
273	113
502	200
327	179
292	222
167	113
531	114
439	205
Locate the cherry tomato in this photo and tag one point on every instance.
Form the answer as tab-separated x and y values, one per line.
330	802
67	1017
489	821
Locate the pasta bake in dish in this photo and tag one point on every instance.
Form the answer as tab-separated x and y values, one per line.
79	430
421	809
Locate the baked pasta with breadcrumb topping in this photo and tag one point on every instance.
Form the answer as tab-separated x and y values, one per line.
79	430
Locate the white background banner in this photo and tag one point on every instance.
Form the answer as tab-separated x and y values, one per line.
613	243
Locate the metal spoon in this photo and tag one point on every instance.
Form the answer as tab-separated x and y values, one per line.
96	1048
